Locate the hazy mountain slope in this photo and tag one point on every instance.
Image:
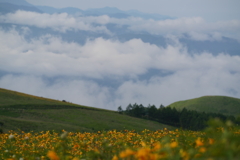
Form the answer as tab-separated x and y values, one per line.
47	9
11	8
27	112
110	11
215	104
225	45
136	13
17	2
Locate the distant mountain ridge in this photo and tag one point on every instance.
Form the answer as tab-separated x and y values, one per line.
215	104
11	8
110	11
120	32
17	2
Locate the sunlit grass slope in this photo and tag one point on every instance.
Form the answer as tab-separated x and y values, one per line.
8	97
215	104
19	111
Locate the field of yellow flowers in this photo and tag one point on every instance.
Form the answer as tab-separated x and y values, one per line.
220	141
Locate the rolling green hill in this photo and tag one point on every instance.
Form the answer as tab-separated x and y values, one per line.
19	111
215	104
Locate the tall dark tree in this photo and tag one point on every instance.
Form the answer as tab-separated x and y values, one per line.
186	119
120	110
152	112
129	109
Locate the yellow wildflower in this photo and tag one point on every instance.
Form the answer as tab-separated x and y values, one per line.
143	144
199	142
202	149
157	146
173	144
53	156
143	152
211	141
184	154
115	157
126	153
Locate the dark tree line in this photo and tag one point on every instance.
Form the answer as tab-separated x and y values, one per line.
1	124
186	119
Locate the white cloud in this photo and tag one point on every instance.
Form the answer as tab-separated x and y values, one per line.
50	56
180	26
75	91
203	37
60	22
77	70
209	9
181	85
196	27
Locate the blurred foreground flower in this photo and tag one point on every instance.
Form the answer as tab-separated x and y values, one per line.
52	155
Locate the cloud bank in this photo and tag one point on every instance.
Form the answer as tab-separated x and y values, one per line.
196	27
59	22
50	67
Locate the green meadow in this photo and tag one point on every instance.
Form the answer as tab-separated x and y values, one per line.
19	111
215	104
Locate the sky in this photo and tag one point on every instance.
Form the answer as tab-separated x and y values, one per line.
107	73
210	10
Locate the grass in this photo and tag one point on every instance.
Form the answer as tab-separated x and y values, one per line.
13	98
220	141
102	134
216	104
19	111
8	97
75	120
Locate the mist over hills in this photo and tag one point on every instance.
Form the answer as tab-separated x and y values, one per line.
110	11
123	56
121	32
6	7
17	2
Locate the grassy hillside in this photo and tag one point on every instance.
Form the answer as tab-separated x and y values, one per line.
19	111
8	98
215	104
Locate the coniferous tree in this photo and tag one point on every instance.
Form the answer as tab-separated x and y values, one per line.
152	112
187	119
120	110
